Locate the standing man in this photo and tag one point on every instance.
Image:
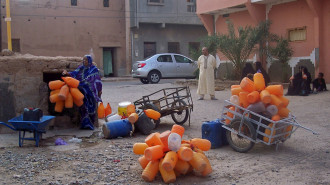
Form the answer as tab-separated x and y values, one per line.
206	64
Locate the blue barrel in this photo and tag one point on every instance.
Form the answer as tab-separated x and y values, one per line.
213	131
117	128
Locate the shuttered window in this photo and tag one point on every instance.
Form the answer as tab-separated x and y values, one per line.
297	34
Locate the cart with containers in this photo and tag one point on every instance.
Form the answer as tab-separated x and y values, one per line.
245	128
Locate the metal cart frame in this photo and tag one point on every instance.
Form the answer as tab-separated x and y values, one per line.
250	127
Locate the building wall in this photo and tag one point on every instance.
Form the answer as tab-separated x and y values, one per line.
55	28
285	16
294	15
171	33
171	12
324	65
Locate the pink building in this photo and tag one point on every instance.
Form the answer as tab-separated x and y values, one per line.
306	23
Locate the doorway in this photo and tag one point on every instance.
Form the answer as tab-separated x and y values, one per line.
108	61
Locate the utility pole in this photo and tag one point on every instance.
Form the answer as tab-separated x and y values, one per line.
8	20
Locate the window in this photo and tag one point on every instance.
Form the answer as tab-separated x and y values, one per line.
181	59
173	47
191	6
155	2
165	58
105	3
74	2
16	45
297	34
149	49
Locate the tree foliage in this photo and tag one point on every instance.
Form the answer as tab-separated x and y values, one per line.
238	47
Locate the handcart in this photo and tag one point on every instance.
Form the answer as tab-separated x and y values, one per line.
37	127
175	101
244	128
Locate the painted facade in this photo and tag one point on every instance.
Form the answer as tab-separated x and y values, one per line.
165	26
285	15
58	28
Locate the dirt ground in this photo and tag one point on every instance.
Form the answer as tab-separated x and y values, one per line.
302	159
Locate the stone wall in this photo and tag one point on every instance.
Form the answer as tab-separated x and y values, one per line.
24	82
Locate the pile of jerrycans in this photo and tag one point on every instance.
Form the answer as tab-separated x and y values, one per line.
215	133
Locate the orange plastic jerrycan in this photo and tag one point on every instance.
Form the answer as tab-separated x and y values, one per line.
69	101
276	101
185	153
71	82
143	161
178	129
247	85
59	106
133	118
170	160
153	139
265	97
107	110
154	152
139	148
284	100
130	109
152	114
150	171
259	81
164	138
208	168
64	91
275	89
182	167
243	99
56	84
236	91
76	94
283	112
167	175
202	144
100	111
269	133
197	162
253	97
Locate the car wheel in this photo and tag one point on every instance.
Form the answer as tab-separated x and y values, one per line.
144	80
154	77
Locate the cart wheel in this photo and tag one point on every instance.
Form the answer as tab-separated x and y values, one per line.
153	107
180	112
237	142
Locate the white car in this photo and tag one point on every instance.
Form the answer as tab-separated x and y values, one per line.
165	65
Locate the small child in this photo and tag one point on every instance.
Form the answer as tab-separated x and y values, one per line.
319	83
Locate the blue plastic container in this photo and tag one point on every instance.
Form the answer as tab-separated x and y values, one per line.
117	128
213	131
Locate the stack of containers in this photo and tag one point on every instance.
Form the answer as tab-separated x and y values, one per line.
256	97
64	94
168	154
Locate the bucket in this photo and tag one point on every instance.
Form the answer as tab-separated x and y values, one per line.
118	128
122	108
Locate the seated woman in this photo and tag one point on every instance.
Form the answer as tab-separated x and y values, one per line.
307	80
248	69
91	86
295	83
319	83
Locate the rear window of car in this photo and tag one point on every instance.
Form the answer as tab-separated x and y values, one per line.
181	59
165	58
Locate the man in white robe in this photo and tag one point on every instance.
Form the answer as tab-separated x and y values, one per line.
206	64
